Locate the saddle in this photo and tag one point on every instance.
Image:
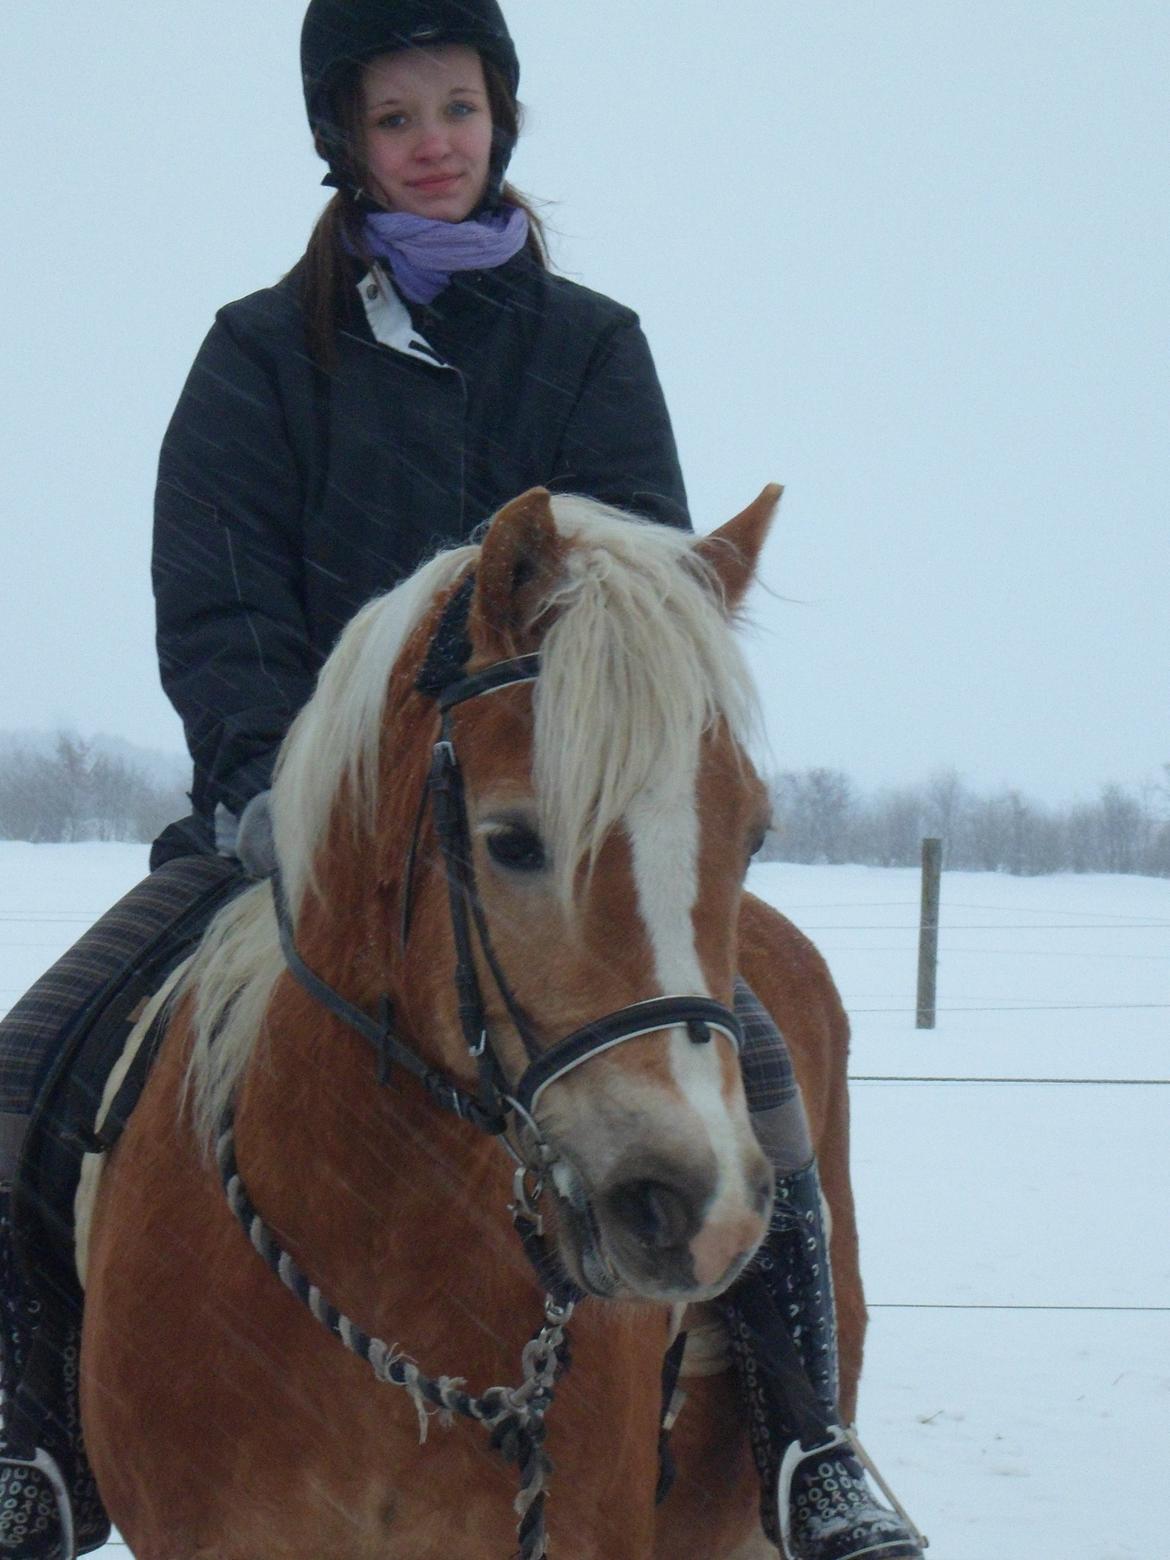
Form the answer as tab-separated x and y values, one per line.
58	1047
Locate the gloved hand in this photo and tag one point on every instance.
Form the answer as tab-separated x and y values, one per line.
255	844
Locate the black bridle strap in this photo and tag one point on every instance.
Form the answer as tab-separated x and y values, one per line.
379	1032
450	814
501	674
628	1023
466	907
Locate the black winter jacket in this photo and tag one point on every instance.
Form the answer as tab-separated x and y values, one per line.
288	496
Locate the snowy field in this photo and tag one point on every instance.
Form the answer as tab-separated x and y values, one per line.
1012	1173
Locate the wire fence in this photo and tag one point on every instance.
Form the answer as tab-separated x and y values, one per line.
981	1078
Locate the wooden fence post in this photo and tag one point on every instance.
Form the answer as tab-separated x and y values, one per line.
928	931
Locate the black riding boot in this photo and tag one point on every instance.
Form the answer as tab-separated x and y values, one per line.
817	1503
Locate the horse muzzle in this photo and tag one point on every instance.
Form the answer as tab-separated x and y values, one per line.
660	1232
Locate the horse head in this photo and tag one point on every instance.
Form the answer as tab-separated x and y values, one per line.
609	811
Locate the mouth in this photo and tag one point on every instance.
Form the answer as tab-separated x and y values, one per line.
581	1243
620	1268
440	185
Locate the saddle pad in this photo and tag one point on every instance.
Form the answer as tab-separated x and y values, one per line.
58	1046
60	1042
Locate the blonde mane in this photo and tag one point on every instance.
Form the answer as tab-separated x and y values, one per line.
638	662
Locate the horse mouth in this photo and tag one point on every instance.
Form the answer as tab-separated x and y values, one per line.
581	1242
620	1268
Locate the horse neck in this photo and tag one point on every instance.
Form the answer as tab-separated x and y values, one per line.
367	1183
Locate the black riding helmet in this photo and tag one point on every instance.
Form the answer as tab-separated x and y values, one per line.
342	33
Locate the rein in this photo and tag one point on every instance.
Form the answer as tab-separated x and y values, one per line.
515	1416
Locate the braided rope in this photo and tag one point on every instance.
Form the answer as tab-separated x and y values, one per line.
515	1416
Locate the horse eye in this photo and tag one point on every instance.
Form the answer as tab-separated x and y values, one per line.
518	848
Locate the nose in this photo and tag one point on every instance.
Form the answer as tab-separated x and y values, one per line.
678	1214
722	1246
657	1215
433	143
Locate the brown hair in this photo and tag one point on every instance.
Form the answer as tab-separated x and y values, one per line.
338	232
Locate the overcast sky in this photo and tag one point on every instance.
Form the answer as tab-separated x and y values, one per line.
909	257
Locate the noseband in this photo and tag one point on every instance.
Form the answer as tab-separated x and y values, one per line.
497	1104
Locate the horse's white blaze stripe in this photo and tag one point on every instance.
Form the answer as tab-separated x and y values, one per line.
663	826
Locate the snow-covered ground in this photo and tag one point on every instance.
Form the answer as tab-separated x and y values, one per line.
1016	1242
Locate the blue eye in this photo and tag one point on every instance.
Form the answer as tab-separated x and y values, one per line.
461	110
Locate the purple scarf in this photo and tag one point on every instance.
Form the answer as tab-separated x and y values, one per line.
422	253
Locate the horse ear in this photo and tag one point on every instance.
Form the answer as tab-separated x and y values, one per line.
733	551
519	562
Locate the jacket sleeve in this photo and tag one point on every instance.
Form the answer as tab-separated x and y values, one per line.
618	445
227	567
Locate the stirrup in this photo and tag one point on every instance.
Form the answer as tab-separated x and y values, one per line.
47	1467
840	1440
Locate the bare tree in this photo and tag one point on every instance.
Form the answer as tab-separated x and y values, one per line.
76	792
813	814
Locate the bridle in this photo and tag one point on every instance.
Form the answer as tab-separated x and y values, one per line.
497	1106
514	1416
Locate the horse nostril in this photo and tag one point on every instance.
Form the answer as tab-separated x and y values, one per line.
655	1213
765	1190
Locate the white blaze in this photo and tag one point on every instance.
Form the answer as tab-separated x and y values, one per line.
663	827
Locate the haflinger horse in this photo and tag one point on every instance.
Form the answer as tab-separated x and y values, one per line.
512	826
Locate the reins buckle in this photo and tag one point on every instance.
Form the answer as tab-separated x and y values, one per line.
443	762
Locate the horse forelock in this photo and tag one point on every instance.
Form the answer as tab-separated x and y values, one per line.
638	663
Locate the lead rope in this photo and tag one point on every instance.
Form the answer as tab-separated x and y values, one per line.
515	1416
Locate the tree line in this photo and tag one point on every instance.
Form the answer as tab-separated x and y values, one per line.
76	790
819	815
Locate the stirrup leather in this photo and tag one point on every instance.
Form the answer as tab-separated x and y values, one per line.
47	1467
840	1440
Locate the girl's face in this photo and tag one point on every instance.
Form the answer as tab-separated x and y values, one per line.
427	126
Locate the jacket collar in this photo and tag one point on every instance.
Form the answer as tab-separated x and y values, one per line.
390	322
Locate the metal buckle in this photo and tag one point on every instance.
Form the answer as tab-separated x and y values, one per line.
444	764
523	1201
531	1150
47	1466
